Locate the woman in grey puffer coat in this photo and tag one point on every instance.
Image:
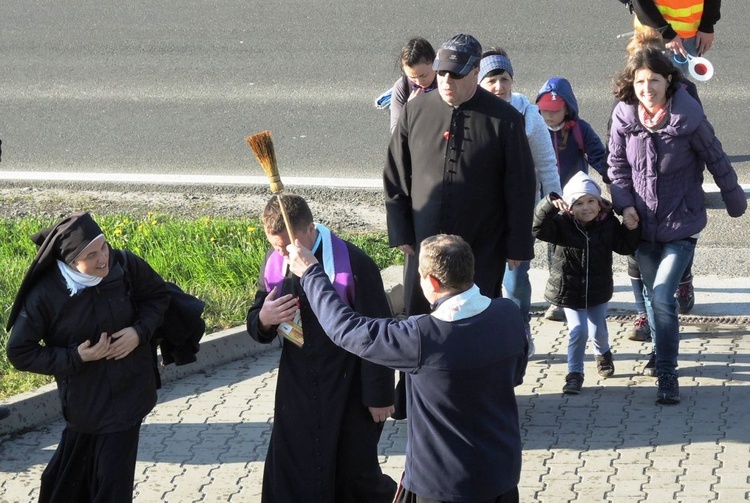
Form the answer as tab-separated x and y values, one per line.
661	141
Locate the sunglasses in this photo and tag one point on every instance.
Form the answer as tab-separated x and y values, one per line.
454	76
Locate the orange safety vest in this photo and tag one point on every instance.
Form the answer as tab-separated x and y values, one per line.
683	15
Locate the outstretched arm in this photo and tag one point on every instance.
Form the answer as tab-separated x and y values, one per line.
384	341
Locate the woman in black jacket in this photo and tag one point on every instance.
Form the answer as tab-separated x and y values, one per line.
96	326
584	232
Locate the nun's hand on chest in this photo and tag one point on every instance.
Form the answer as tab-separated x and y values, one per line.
123	343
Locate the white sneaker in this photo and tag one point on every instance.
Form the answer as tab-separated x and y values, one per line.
555	313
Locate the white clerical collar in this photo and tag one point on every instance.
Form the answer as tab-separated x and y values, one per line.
464	305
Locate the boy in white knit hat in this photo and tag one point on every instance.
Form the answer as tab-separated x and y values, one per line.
584	231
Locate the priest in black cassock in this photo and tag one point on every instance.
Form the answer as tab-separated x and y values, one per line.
330	405
459	163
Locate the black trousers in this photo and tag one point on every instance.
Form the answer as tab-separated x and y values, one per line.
91	468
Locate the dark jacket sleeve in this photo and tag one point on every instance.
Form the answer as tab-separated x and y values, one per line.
648	14
150	294
625	241
711	15
253	314
384	341
549	223
24	349
397	186
370	300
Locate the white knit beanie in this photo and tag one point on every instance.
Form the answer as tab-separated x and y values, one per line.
580	185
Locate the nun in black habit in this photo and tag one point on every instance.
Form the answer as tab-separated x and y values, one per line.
96	326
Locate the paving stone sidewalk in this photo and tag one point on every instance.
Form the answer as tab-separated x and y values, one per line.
206	439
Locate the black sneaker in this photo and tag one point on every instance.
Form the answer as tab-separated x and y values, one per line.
641	330
604	365
573	383
669	389
650	368
685	296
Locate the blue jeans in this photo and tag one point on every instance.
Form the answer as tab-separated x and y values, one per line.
584	325
518	287
662	265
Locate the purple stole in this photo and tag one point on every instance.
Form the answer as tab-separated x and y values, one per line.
343	280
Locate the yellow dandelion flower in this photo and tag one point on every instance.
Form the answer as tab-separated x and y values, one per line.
251	229
118	232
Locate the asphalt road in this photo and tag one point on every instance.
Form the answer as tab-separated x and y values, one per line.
174	87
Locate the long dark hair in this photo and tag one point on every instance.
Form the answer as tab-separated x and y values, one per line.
654	60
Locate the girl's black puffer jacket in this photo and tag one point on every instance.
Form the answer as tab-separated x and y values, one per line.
581	269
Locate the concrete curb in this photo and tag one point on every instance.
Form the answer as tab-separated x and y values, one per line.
42	406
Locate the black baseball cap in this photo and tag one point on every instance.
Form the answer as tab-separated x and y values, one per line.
458	55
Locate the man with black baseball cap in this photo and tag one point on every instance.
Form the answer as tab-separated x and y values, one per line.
459	55
456	59
459	163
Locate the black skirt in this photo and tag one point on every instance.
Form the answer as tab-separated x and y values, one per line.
91	468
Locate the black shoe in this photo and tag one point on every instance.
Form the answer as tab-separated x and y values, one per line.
669	389
4	412
604	365
685	296
650	368
573	383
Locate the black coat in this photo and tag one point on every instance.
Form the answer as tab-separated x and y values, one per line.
103	396
323	446
465	171
581	270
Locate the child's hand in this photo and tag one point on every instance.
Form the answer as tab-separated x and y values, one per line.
630	218
560	205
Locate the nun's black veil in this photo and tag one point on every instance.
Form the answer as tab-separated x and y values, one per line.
63	241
